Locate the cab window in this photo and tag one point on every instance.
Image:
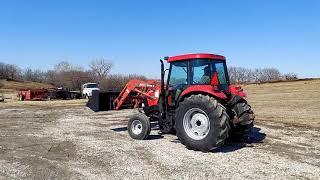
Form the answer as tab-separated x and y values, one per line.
220	68
179	74
200	71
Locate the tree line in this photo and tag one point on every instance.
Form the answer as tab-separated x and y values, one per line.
241	75
71	76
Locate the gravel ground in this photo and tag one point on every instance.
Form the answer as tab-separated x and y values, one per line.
76	143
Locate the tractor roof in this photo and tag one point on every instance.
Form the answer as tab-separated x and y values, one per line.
196	56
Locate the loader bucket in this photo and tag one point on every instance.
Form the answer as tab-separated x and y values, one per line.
102	100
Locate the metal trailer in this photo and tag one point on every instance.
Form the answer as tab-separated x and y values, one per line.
64	94
32	94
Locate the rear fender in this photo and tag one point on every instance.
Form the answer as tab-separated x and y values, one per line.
202	89
237	91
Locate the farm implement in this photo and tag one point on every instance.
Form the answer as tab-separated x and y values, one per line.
47	94
32	94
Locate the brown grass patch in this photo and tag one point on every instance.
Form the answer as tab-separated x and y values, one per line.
287	102
16	85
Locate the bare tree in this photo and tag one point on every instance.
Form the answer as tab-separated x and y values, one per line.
116	82
290	76
34	75
232	74
270	74
10	71
68	75
100	68
240	75
51	77
244	75
65	66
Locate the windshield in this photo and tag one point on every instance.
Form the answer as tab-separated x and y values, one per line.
200	72
203	70
92	85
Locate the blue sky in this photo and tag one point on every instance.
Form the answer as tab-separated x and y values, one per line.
134	35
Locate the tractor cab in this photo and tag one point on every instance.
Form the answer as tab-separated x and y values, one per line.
195	72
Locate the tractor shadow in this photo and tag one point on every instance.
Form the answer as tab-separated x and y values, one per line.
154	126
255	137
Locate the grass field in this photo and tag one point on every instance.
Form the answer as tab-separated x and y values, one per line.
66	140
16	85
292	103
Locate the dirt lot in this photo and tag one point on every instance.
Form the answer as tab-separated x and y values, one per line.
65	140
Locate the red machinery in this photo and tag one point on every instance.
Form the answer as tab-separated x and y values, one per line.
32	94
197	102
136	91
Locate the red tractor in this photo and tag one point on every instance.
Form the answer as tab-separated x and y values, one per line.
197	103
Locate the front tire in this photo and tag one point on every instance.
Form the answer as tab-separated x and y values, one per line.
202	123
139	126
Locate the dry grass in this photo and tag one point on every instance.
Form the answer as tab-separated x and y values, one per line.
9	88
291	103
16	85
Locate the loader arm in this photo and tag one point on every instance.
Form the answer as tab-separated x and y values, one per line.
136	91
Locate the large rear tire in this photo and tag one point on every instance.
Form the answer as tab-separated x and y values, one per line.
242	120
202	123
139	126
